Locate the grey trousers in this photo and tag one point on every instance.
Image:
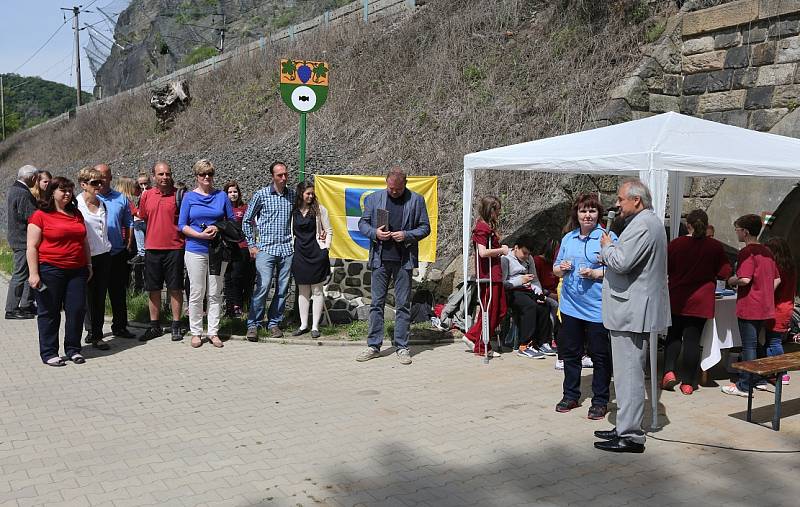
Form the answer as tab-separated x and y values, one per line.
19	292
629	355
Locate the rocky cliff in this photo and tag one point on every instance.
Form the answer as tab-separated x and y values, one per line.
160	36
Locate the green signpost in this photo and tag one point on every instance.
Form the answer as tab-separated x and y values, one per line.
304	88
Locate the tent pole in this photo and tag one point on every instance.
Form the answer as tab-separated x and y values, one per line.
466	217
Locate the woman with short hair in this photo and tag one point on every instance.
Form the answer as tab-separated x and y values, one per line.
694	263
311	266
59	261
200	210
96	220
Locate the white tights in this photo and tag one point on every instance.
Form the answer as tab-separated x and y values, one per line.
315	293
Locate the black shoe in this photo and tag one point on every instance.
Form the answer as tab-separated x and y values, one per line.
300	332
606	435
123	333
619	444
19	315
100	344
565	405
152	332
29	309
177	335
597	412
315	334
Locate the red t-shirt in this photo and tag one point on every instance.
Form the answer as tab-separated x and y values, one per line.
544	269
756	300
63	239
694	265
784	301
161	214
483	234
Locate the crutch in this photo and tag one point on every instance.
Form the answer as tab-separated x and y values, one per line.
484	305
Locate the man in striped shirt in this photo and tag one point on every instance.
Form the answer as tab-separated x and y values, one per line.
271	246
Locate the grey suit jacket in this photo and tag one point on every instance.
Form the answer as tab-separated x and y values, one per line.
635	294
415	224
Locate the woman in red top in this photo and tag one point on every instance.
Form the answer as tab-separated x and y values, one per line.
489	250
784	298
694	264
60	266
240	275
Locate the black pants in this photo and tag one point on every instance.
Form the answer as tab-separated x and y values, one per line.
684	331
65	288
533	318
571	338
239	280
96	295
118	290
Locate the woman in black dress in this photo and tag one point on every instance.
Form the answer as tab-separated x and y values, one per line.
312	233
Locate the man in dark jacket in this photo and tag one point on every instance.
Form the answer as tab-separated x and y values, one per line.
21	205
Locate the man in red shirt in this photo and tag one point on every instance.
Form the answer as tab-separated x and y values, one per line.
163	259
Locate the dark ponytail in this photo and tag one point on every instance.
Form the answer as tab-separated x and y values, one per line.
698	220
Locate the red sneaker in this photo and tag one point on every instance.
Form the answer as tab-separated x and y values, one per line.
669	381
686	389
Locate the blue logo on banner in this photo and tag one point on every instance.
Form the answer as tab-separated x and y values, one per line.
354	208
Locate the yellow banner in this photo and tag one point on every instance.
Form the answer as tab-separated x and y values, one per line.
343	196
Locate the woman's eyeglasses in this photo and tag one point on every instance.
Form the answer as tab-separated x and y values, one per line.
206	175
95	183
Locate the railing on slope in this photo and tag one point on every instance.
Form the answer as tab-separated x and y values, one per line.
360	10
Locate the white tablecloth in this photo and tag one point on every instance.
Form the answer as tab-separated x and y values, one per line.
721	332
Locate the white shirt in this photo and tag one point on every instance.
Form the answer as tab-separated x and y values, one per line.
96	227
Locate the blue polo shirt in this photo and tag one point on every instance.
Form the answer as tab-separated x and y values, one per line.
581	298
119	217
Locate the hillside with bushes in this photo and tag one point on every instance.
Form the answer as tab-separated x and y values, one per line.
456	76
31	100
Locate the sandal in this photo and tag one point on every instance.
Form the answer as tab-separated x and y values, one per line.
215	341
55	361
196	341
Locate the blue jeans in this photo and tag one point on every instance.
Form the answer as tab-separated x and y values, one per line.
139	228
774	343
66	288
749	330
402	297
266	266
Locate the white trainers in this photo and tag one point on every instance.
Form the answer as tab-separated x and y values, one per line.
733	390
367	354
404	356
559	364
586	362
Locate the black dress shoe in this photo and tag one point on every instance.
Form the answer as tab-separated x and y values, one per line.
19	315
619	444
300	332
99	344
606	435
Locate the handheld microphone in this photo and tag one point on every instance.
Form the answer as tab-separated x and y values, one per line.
611	215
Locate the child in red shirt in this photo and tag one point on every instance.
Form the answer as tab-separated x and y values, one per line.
778	327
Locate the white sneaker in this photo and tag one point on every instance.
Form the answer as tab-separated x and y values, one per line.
733	390
467	343
559	364
404	356
367	354
586	362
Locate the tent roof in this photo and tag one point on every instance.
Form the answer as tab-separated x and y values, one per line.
669	141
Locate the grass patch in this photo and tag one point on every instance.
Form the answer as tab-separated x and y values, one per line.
200	54
6	258
654	32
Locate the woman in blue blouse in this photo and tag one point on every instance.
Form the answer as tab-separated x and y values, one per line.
200	210
580	306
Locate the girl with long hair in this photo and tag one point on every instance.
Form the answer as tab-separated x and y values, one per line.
694	264
240	274
311	266
40	184
778	328
489	250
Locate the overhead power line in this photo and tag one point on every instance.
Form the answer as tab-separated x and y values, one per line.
42	46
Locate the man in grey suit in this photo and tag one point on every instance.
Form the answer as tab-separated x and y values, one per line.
393	254
635	302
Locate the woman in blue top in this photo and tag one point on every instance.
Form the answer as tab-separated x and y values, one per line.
580	303
200	210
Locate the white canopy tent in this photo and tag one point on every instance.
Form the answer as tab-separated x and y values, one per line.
662	150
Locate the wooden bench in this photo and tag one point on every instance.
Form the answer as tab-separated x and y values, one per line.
764	368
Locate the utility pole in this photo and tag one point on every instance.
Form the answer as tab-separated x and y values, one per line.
3	106
222	36
75	11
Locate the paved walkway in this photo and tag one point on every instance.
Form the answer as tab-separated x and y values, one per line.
263	424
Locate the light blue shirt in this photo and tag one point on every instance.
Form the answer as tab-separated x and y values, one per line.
581	298
118	217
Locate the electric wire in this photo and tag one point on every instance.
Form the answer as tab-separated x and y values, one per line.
43	45
724	447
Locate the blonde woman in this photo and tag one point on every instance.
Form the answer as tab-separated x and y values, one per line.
40	184
200	210
311	266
